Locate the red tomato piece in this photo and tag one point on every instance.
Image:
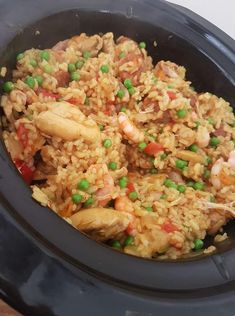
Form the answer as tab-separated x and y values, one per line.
47	93
169	227
171	95
22	134
73	101
130	187
130	229
153	148
25	171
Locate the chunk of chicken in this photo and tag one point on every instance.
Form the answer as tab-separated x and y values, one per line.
167	69
108	43
67	122
101	223
84	43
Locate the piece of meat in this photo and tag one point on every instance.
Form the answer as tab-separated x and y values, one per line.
84	43
62	78
108	43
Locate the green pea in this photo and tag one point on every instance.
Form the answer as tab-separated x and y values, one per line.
123	182
123	109
30	81
75	76
45	55
89	201
122	55
190	184
149	209
128	83
198	244
181	164
133	195
181	113
33	63
209	160
80	64
142	45
197	124
142	146
170	184
107	143
181	188
20	56
71	68
101	127
76	198
116	244
163	156
131	90
206	174
83	185
8	86
193	148
48	69
211	121
214	141
39	79
198	186
112	165
86	55
129	240
121	93
104	69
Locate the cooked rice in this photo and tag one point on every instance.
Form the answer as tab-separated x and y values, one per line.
67	123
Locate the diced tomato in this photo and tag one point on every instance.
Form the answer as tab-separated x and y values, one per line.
26	171
47	93
169	227
153	148
22	134
130	229
171	95
73	101
130	187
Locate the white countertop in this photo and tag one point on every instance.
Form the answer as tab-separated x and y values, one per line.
219	12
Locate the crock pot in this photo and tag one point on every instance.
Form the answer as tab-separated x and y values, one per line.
49	268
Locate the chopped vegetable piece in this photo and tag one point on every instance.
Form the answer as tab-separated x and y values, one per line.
214	141
128	83
80	64
39	79
181	113
142	45
83	185
163	156
76	198
181	188
71	68
22	135
75	76
209	160
149	209
193	148
123	109
171	95
89	201
104	68
48	69
123	182
169	227
116	244
101	127
112	165
190	184
107	143
45	55
122	55
130	187
129	240
87	101
26	172
30	81
121	93
142	146
211	121
131	90
153	148
197	124
8	86
181	164
198	186
198	244
133	195
86	55
20	56
170	184
206	174
33	63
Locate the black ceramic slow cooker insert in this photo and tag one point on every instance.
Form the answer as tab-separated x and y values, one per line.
49	268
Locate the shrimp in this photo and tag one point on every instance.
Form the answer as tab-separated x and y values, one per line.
203	136
122	203
218	176
129	129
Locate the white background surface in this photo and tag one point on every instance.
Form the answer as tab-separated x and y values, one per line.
219	12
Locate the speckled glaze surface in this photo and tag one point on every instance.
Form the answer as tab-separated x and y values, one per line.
46	266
